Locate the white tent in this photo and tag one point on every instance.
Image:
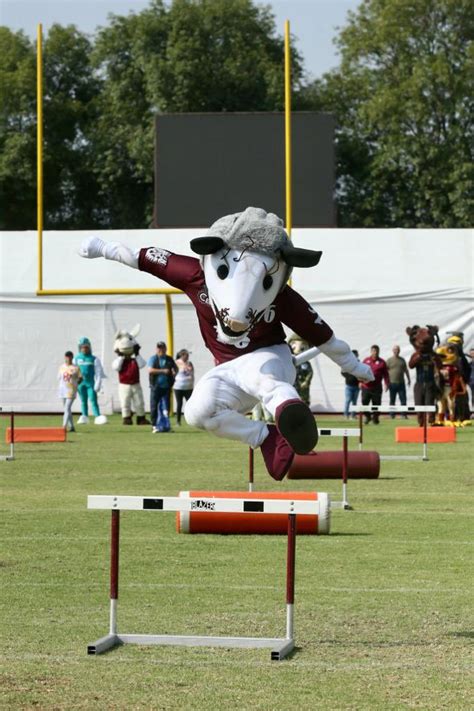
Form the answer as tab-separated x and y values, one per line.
370	285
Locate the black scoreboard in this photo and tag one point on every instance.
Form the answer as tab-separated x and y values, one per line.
209	165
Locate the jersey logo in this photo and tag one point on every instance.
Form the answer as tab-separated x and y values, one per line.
158	255
318	320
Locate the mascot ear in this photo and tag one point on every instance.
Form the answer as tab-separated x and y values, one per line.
207	245
411	330
297	257
135	330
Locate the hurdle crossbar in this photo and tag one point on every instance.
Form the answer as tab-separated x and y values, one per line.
425	409
344	433
280	647
9	457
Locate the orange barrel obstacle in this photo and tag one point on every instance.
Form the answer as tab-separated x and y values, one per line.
205	520
35	434
329	465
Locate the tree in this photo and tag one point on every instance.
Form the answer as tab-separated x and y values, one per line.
17	131
404	100
194	55
69	92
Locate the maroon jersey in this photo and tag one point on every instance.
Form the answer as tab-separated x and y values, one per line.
380	371
290	308
129	373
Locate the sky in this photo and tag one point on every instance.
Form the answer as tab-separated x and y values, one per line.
313	23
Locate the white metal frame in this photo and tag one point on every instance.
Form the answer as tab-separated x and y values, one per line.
360	409
344	433
9	457
281	647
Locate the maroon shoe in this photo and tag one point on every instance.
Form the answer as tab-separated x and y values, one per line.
277	454
296	423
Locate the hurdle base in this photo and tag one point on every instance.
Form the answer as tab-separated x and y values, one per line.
7	458
281	648
403	458
345	505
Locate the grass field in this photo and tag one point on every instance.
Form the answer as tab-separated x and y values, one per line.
383	604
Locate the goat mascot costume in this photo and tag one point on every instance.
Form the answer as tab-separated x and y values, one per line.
240	293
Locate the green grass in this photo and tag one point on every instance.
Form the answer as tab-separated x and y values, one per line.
383	604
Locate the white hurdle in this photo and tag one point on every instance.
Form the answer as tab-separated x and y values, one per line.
344	433
397	408
281	647
9	457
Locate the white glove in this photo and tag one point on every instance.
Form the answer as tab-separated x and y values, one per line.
340	353
363	372
92	247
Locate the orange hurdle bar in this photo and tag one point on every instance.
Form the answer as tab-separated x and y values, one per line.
36	434
434	434
250	523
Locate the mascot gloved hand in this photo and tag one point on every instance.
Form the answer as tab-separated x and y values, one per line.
92	376
128	364
240	292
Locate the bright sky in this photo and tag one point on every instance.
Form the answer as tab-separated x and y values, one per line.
313	23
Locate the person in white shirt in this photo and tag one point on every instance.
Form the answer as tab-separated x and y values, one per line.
184	381
69	376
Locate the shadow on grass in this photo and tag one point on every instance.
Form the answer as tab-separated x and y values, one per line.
466	635
349	533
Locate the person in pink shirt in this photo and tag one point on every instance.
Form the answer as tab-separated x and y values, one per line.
371	392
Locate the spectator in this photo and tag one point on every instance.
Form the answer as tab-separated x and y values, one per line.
184	383
69	376
304	371
162	371
471	377
371	392
351	392
397	370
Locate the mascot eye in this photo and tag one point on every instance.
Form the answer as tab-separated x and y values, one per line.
267	282
223	271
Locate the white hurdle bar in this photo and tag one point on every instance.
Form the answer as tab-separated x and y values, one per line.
9	457
344	433
281	647
397	408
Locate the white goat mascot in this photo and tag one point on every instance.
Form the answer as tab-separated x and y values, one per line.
240	293
128	364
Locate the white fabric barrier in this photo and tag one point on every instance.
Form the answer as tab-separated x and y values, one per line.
369	286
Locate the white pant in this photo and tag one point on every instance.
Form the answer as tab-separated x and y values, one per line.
223	396
129	393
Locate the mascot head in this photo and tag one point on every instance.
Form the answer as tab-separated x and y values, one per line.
297	344
423	339
84	345
448	353
125	343
247	259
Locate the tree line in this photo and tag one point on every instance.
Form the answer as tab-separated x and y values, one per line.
402	95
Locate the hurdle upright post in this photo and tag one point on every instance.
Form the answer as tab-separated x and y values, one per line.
361	421
425	436
345	468
290	576
251	468
114	569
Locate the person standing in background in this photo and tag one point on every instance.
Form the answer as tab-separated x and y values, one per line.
69	376
371	392
184	382
162	371
397	370
351	392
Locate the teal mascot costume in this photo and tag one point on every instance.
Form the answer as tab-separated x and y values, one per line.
92	375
